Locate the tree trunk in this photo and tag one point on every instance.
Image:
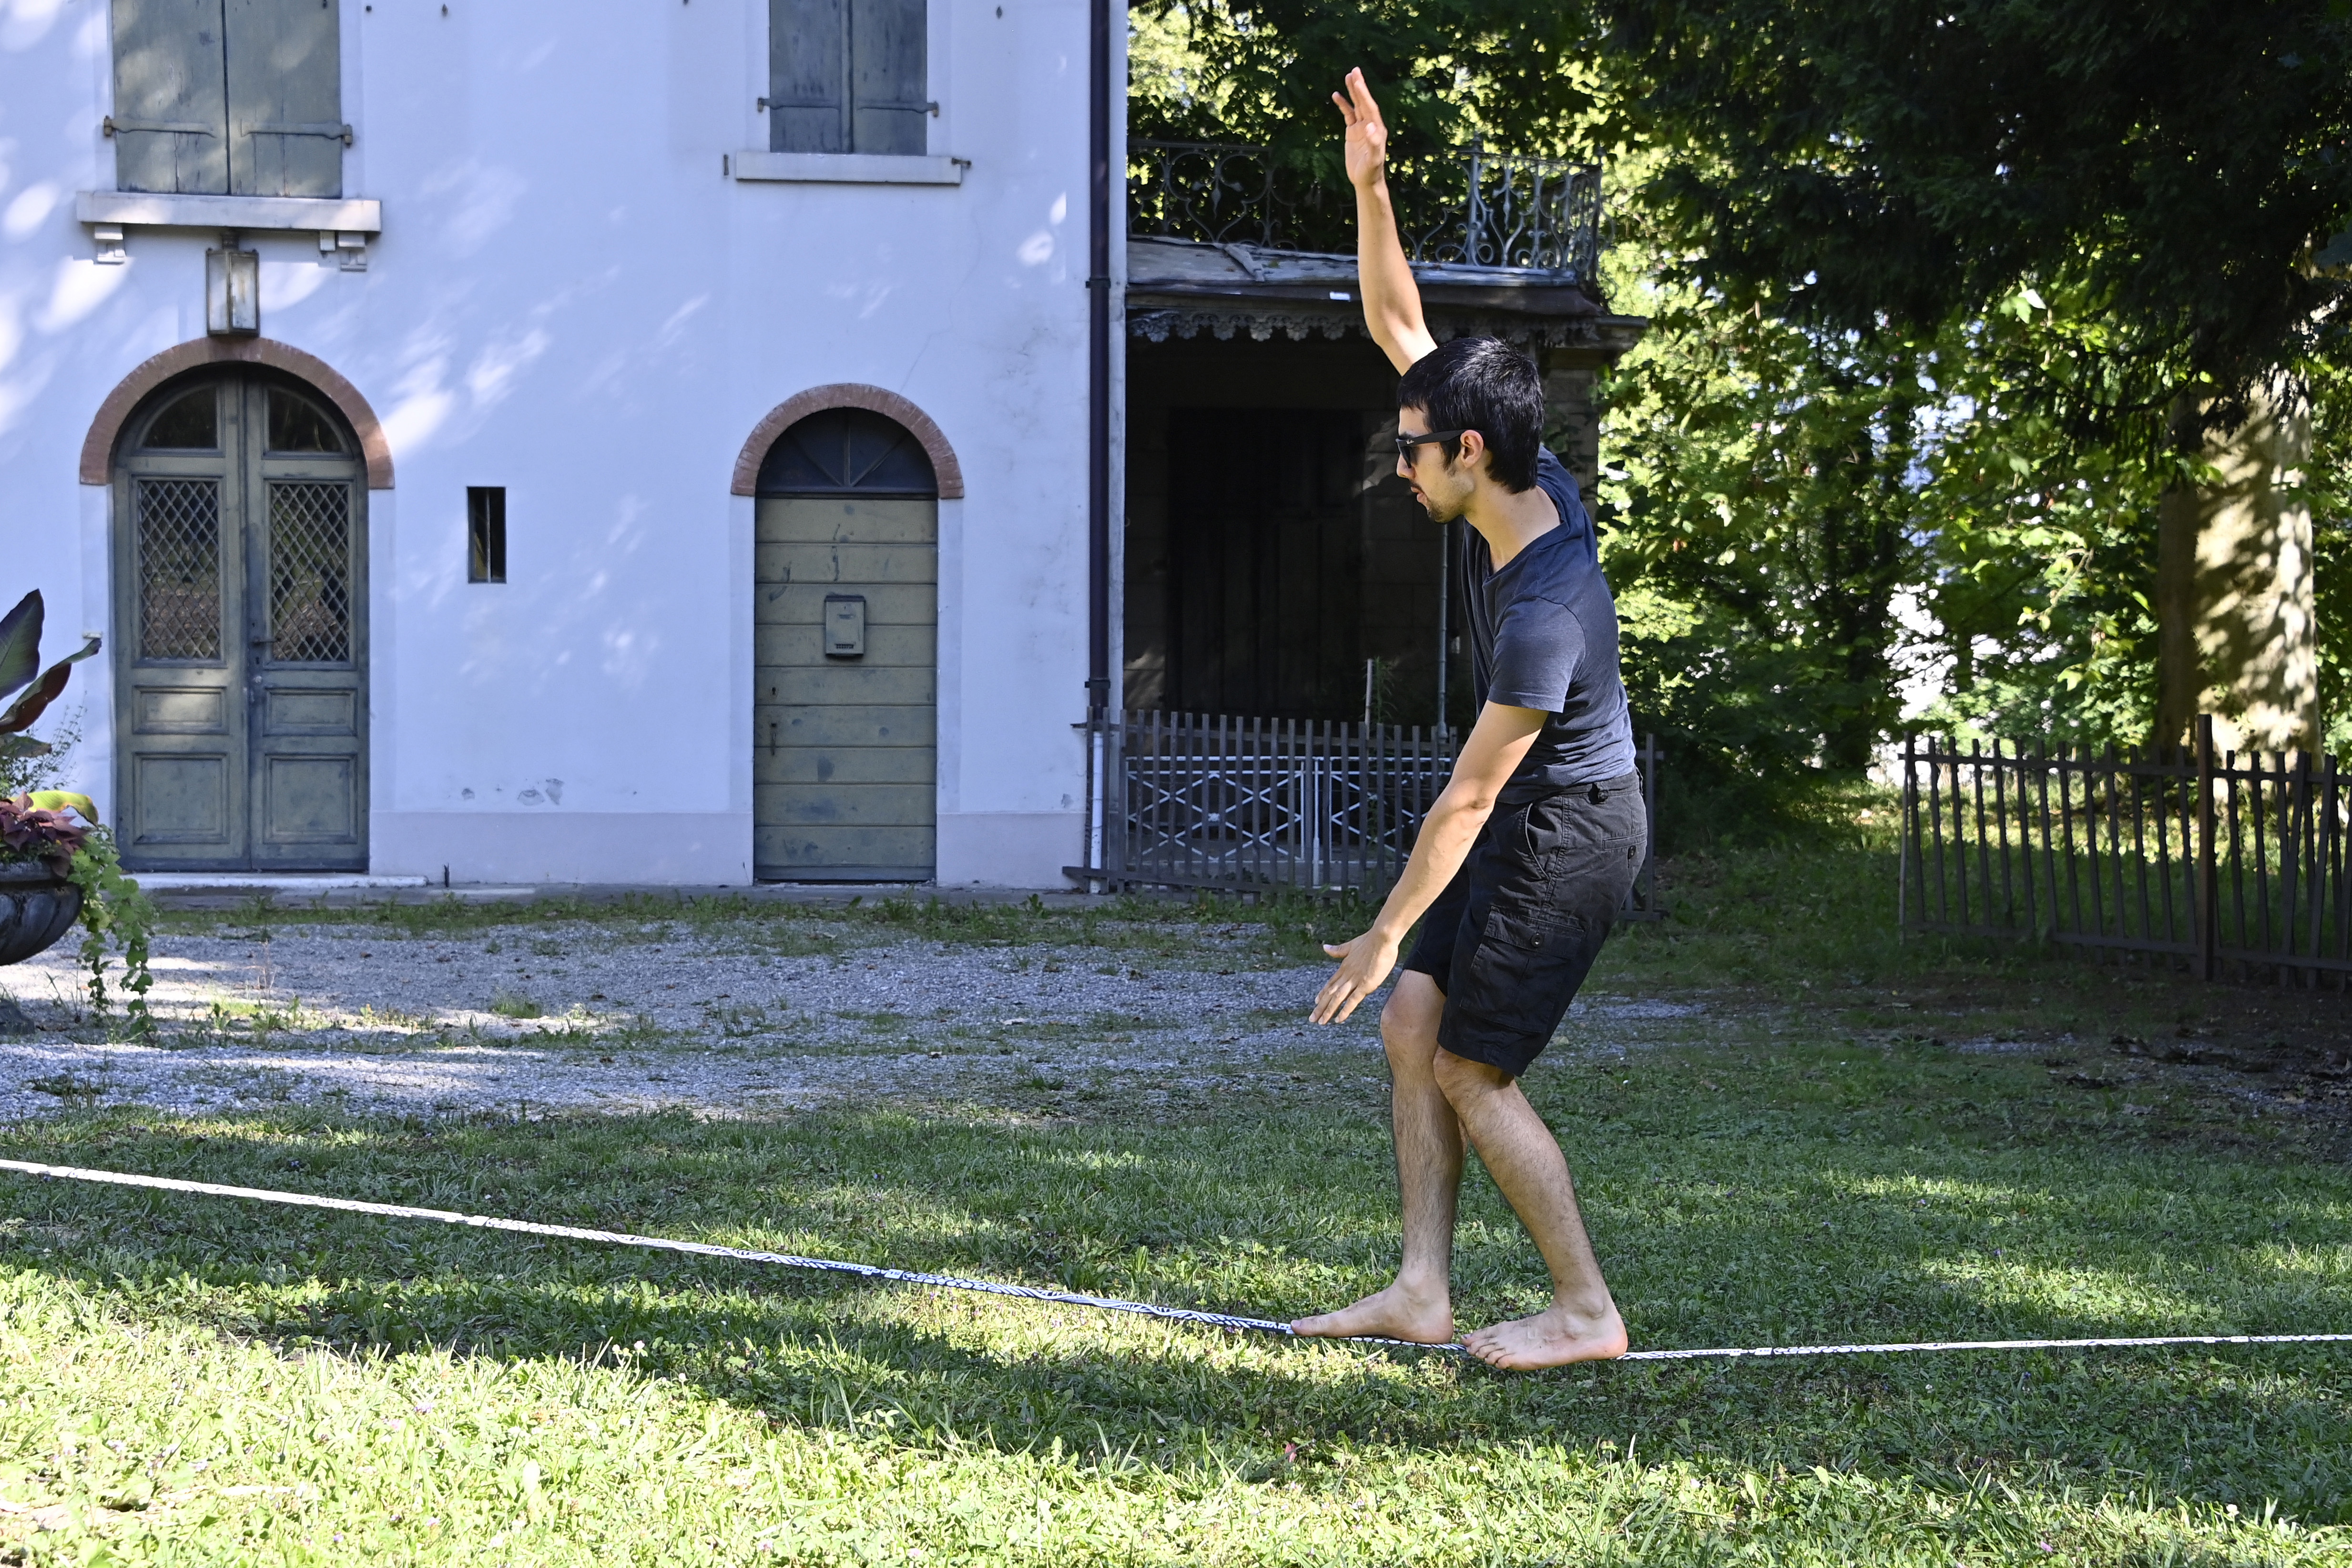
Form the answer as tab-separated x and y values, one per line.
2236	633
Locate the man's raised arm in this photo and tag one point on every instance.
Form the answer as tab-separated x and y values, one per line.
1392	299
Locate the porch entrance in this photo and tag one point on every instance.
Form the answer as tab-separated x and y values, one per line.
240	561
845	766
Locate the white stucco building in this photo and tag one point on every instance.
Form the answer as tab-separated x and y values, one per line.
567	275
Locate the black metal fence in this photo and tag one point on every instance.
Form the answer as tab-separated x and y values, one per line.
1467	205
1195	800
2221	864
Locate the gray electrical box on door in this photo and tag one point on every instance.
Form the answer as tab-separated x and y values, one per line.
845	625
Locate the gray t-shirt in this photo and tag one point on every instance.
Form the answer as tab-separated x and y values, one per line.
1543	635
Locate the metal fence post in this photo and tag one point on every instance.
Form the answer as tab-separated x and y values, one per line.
1648	900
1906	825
2208	902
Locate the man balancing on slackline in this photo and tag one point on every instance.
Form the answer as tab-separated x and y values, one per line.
1527	855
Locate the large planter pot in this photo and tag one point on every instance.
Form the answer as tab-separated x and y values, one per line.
37	908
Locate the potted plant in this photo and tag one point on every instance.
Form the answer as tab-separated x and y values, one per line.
58	863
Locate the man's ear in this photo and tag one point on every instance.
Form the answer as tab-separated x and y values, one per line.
1473	446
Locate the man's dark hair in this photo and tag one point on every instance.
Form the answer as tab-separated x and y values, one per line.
1483	384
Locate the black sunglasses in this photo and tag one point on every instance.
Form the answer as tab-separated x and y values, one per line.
1405	444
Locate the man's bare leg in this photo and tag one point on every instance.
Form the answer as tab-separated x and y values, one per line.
1524	1158
1419	1306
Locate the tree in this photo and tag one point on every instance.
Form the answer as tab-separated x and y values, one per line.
2181	170
1818	521
1263	70
1761	522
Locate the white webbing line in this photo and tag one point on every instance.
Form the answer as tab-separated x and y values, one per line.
1064	1298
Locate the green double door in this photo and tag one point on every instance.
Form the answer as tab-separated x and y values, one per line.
240	507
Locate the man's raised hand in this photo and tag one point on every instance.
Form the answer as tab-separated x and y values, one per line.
1368	136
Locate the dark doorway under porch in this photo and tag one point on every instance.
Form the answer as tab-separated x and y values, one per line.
1271	551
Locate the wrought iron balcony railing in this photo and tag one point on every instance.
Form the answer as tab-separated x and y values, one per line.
1471	206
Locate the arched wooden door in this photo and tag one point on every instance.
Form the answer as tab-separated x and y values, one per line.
844	767
240	570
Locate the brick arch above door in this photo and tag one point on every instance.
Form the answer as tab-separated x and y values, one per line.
849	394
105	428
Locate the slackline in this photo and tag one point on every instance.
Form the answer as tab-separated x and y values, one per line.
1060	1297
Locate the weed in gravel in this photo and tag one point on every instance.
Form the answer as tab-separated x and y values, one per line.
1104	1023
67	1086
577	1027
641	1032
782	940
741	1020
394	1018
514	1005
258	1021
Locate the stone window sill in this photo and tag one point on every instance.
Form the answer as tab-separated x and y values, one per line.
342	224
849	168
139	209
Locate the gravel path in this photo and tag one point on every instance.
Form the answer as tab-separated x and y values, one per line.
374	1022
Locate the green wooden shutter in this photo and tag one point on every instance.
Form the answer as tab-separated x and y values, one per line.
808	76
171	103
285	97
887	81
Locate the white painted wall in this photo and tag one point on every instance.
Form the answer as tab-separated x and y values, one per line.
570	300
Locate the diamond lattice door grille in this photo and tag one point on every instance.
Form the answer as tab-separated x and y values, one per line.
179	569
310	573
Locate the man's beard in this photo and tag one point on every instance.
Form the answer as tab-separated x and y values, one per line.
1431	507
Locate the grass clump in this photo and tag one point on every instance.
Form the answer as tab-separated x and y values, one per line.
1207	929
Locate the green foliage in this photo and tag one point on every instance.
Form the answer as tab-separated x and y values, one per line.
1445	70
1859	162
2328	483
1264	71
118	918
1802	521
115	912
1760	517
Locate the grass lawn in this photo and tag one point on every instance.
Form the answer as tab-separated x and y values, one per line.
205	1382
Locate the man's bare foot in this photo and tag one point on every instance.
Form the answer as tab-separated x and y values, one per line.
1554	1337
1394	1313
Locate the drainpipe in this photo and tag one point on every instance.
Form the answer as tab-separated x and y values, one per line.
1098	360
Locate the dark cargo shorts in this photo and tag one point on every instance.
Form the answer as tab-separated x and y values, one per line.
1513	936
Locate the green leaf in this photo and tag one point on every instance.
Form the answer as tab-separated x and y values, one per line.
60	799
20	643
30	706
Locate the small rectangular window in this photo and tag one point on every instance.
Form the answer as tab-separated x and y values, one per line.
485	533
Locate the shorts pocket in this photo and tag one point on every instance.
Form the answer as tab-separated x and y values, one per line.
1528	965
